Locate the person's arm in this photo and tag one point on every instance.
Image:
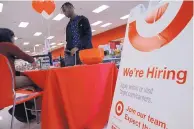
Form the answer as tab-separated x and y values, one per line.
18	53
86	38
68	36
87	33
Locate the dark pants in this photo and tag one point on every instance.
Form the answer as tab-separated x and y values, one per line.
23	82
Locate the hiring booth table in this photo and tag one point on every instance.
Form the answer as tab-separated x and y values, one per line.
76	97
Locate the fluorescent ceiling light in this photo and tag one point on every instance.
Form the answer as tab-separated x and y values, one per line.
1	118
27	51
50	37
100	9
23	24
125	17
96	23
60	44
37	45
1	7
52	44
59	17
26	43
107	24
37	33
15	38
93	30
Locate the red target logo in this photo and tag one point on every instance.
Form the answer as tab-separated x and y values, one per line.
175	27
119	108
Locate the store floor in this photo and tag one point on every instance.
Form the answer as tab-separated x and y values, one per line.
5	121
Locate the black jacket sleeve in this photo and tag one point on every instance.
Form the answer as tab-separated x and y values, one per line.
87	34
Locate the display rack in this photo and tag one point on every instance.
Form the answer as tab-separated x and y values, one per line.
42	61
115	60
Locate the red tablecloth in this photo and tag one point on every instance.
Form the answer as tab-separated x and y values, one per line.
38	77
77	97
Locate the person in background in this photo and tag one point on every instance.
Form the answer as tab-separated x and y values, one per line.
12	52
78	33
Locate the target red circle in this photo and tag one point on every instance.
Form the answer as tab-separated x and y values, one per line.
175	27
119	108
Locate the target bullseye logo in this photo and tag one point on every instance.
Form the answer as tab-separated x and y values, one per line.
119	108
157	37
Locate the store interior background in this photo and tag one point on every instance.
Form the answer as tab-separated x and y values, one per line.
15	12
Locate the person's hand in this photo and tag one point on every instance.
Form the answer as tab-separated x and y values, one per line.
74	50
34	65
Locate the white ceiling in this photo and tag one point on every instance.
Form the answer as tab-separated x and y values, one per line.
15	12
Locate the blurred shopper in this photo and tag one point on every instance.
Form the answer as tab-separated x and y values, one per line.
11	51
78	34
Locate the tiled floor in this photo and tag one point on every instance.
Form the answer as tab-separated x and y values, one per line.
5	120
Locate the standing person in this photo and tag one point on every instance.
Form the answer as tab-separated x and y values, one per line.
78	34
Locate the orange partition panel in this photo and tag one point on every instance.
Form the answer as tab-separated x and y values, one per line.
105	37
56	53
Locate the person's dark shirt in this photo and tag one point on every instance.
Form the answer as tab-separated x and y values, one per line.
78	33
75	31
